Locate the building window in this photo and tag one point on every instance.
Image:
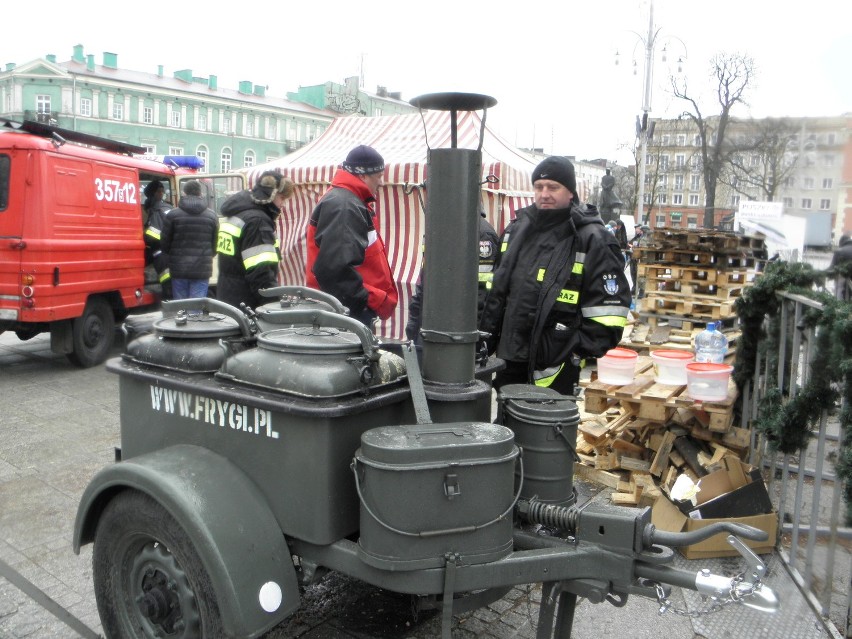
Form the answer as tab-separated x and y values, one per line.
828	161
806	202
226	125
661	220
735	200
175	150
827	183
43	104
202	121
150	149
693	200
647	198
788	202
664	181
248	159
824	204
755	160
174	118
86	107
678	183
790	182
664	162
692	222
272	130
681	140
201	153
147	115
831	138
248	126
677	198
118	110
696	140
665	140
226	158
808	184
649	159
695	162
694	182
680	161
662	198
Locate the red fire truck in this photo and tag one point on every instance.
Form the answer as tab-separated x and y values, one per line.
72	258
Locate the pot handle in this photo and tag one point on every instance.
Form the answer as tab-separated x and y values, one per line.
304	293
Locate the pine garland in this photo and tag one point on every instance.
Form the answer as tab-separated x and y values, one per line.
786	422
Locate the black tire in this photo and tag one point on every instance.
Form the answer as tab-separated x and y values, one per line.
93	333
149	581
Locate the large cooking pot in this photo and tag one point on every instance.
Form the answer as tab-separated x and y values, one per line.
192	336
316	354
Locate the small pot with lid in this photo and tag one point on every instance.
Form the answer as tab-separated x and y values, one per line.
274	314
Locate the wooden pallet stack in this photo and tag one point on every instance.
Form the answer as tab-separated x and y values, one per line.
637	438
695	276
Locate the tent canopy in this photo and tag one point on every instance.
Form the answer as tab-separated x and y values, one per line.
404	142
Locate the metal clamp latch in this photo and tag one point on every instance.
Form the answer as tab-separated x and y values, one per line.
451	486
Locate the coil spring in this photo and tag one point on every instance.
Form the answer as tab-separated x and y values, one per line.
562	517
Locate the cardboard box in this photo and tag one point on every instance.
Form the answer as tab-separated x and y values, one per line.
735	493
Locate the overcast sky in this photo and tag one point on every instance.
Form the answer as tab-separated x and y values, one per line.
549	63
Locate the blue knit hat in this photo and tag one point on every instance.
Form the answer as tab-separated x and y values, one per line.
364	160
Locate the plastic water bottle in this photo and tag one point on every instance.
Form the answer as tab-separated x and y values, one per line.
711	345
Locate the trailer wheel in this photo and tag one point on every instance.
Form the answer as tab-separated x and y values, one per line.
92	333
149	581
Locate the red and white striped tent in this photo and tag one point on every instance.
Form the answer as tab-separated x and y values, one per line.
402	141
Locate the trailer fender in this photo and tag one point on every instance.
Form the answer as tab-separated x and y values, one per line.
233	530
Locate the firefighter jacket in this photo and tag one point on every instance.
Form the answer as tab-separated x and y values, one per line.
346	254
559	293
157	213
488	243
247	249
189	239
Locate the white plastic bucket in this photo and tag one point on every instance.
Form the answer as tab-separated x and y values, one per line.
708	382
670	366
618	366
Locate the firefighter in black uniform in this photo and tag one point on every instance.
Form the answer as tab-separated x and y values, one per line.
488	243
247	245
155	211
559	293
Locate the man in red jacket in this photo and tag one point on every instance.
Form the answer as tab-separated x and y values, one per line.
346	254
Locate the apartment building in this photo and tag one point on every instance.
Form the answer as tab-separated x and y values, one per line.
797	161
177	114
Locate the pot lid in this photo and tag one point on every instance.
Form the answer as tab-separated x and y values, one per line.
320	340
197	326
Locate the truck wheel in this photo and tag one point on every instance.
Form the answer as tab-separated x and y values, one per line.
92	333
149	580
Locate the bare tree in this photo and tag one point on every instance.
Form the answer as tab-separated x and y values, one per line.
761	159
733	74
626	183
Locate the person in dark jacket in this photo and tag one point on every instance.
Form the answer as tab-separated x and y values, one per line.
488	243
346	254
247	246
559	293
155	213
843	254
189	239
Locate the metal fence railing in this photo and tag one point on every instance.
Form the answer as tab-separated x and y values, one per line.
815	545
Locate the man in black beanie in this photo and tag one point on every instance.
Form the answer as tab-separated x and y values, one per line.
346	254
559	293
247	245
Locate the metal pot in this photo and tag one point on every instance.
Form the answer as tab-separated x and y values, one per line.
273	315
317	354
192	339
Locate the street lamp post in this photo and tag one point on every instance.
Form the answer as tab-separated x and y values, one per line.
643	129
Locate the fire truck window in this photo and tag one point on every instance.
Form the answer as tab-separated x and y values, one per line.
5	165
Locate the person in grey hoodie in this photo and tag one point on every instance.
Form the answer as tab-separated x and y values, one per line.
189	239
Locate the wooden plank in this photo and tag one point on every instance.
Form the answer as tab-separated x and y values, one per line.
661	459
737	438
610	480
631	463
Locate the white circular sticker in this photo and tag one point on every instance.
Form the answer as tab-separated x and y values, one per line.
270	596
